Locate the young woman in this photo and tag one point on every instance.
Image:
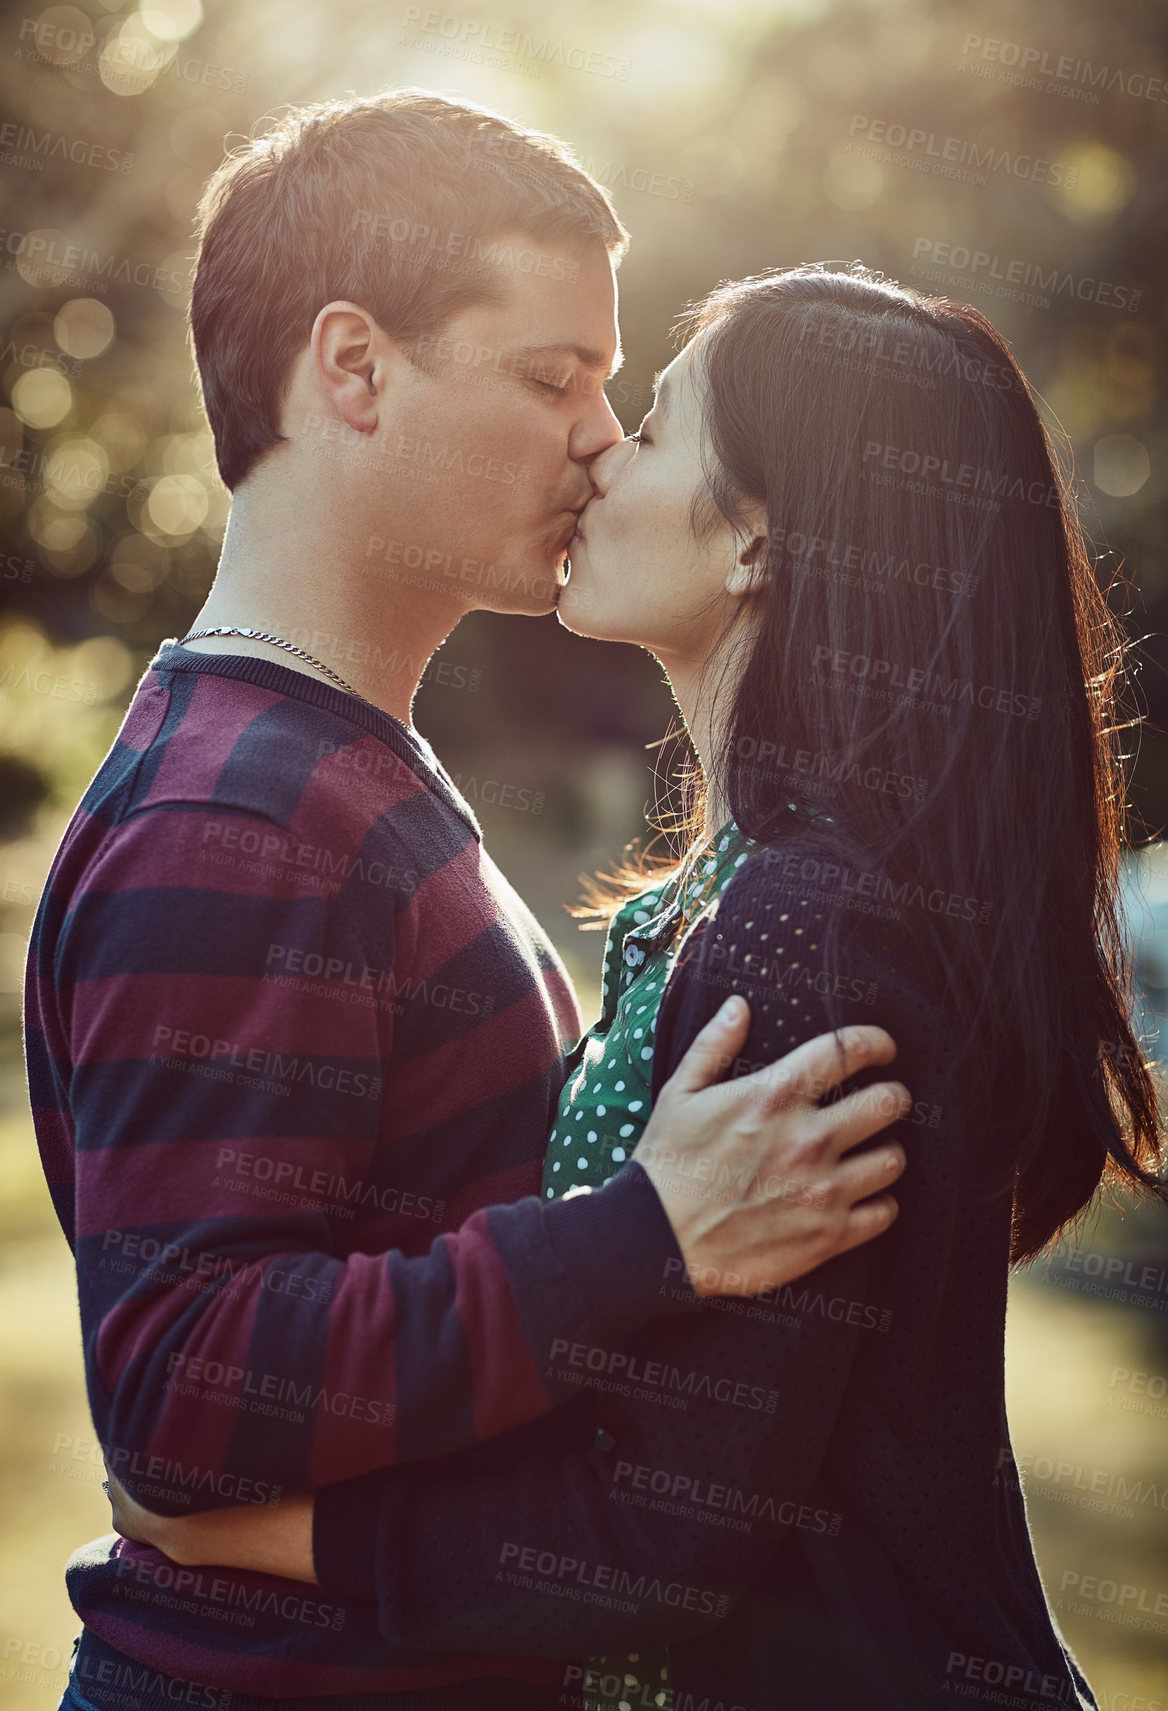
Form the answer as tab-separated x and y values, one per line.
844	534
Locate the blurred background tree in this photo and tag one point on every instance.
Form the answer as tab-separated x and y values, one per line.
734	135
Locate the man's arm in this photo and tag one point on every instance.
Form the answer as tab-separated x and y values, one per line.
231	1351
713	1430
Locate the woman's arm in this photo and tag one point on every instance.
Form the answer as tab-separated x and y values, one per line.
270	1538
712	1431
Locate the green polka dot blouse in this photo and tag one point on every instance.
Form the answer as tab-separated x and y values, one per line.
605	1102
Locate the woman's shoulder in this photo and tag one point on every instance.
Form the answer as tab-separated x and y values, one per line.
816	874
812	924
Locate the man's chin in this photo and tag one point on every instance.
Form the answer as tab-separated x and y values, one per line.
522	588
547	588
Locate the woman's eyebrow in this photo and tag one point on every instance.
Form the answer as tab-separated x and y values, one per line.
662	395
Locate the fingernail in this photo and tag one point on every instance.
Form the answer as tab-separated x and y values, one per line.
729	1011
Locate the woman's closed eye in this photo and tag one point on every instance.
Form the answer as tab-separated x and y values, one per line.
643	437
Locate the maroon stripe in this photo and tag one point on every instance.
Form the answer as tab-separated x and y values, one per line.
494	1058
352	1358
349	790
229	853
211	727
137	1326
145	714
445	914
500	1188
83	829
487	1312
176	1182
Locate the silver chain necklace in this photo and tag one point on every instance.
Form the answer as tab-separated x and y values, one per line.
275	642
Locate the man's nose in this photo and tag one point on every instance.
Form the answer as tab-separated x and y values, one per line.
596	430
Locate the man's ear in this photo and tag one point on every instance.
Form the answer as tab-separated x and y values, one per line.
751	567
344	346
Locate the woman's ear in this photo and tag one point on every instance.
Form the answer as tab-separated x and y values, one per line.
750	569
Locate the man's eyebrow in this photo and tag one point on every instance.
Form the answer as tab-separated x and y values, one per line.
584	354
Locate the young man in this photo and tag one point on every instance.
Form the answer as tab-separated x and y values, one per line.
294	1044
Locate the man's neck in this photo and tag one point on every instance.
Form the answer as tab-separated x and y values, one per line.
317	593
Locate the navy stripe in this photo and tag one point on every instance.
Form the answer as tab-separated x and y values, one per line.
180	930
127	1102
289	1305
271	764
423	1342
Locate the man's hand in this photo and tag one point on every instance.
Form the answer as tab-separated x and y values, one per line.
750	1172
271	1538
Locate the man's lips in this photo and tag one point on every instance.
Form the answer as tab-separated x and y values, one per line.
574	528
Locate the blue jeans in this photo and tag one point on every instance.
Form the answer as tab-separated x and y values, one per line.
74	1699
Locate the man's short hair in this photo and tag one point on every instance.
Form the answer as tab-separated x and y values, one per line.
389	201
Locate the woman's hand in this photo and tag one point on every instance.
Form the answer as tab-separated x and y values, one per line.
129	1517
751	1172
270	1538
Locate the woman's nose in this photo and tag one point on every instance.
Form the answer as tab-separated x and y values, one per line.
605	468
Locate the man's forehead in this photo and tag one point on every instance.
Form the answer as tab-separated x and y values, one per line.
567	316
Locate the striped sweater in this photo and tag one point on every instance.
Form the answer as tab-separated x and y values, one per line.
294	1046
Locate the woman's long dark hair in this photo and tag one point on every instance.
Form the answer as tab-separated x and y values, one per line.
930	633
931	662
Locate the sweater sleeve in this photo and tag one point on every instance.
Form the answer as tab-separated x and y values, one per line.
221	1099
712	1428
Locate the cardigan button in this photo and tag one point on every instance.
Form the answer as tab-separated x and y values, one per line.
604	1440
